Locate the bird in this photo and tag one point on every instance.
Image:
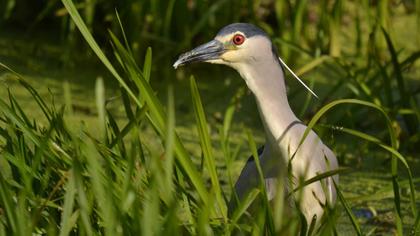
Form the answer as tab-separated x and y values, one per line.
249	50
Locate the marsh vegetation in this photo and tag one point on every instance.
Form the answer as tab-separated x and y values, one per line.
100	135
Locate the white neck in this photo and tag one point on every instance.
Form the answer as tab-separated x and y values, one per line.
266	80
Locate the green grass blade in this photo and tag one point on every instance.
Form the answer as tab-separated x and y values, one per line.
320	177
127	45
334	28
405	99
168	18
68	220
169	147
67	97
100	106
7	203
312	65
147	67
299	19
100	183
150	221
352	218
206	147
82	199
416	228
242	207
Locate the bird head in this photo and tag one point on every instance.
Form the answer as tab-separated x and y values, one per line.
240	46
235	45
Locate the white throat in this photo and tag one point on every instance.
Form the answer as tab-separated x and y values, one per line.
265	79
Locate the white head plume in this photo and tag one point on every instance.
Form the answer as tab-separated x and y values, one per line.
297	77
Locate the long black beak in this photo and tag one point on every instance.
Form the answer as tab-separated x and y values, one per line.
206	52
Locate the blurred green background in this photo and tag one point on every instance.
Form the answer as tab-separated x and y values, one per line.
361	49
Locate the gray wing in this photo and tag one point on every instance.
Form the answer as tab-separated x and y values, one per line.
248	180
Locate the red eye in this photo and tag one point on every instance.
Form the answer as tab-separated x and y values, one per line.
238	39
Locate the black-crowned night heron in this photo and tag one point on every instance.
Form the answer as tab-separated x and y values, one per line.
249	50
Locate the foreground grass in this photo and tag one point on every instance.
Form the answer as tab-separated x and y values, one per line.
58	178
48	189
